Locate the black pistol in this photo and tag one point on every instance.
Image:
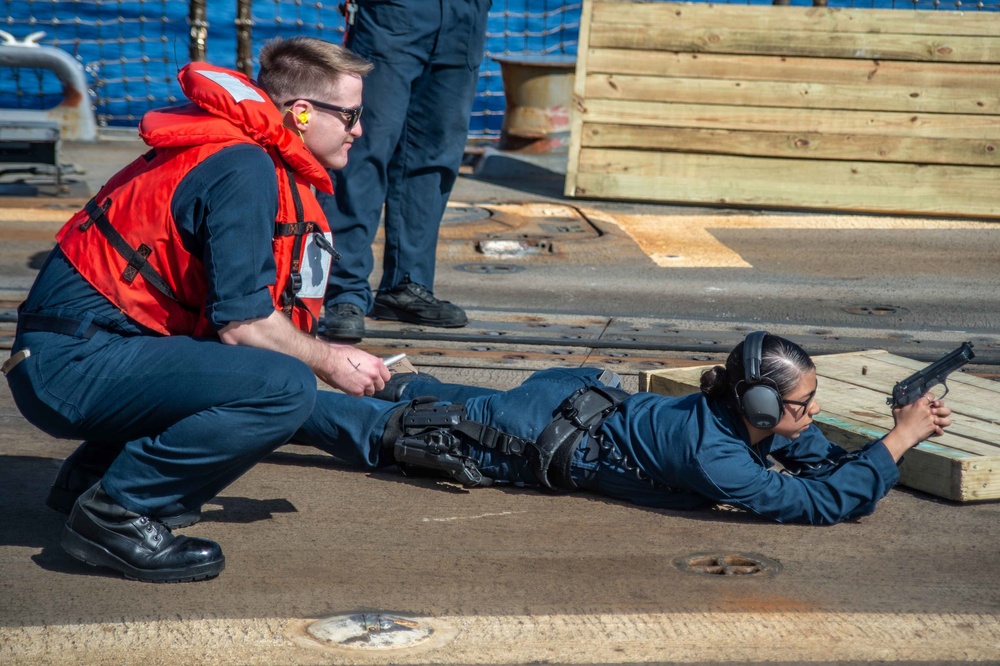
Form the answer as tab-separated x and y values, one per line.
921	381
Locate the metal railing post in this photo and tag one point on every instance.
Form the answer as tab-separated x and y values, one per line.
244	37
198	36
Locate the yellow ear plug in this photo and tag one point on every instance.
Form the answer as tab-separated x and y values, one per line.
304	117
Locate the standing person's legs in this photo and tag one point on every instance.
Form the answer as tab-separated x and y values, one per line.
421	177
355	208
424	172
396	38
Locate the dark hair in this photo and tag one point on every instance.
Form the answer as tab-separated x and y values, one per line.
782	365
300	67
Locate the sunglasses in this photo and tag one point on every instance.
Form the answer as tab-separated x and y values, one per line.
353	115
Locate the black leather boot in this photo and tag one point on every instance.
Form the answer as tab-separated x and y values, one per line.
85	467
414	303
344	322
101	532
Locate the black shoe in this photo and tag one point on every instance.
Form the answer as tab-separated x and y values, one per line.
100	532
344	321
393	391
414	303
84	468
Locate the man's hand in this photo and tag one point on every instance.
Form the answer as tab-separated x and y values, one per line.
353	371
343	367
916	422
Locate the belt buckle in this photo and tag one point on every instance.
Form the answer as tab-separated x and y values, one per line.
14	359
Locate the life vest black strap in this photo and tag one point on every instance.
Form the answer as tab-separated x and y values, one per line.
136	258
299	230
294	283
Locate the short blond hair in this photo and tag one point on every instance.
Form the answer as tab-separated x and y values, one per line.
301	67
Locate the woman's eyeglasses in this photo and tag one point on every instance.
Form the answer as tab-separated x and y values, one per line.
802	405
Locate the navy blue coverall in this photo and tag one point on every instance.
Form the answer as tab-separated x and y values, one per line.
693	450
417	100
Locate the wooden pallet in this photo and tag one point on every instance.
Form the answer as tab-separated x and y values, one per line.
962	465
885	111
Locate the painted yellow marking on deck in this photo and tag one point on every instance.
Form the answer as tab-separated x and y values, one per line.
686	241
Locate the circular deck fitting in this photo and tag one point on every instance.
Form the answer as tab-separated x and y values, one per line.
370	631
727	564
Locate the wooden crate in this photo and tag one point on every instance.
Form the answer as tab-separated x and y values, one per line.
886	111
962	465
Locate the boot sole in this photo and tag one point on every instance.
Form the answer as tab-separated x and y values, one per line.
387	314
62	500
91	553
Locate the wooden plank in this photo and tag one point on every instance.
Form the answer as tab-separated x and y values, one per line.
675	382
733	117
966	436
834	106
987	394
813	44
803	19
722	179
929	468
977	480
794	95
920	75
976	399
795	145
974	435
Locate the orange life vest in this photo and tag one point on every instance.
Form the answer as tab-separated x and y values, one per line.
125	242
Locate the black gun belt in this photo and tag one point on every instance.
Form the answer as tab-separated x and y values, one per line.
583	412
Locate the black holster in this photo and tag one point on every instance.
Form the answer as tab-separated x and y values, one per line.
429	441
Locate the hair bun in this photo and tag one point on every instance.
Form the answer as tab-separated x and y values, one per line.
715	381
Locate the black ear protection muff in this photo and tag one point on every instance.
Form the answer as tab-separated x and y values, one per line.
761	404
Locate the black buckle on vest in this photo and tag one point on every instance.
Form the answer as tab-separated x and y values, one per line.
296	282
